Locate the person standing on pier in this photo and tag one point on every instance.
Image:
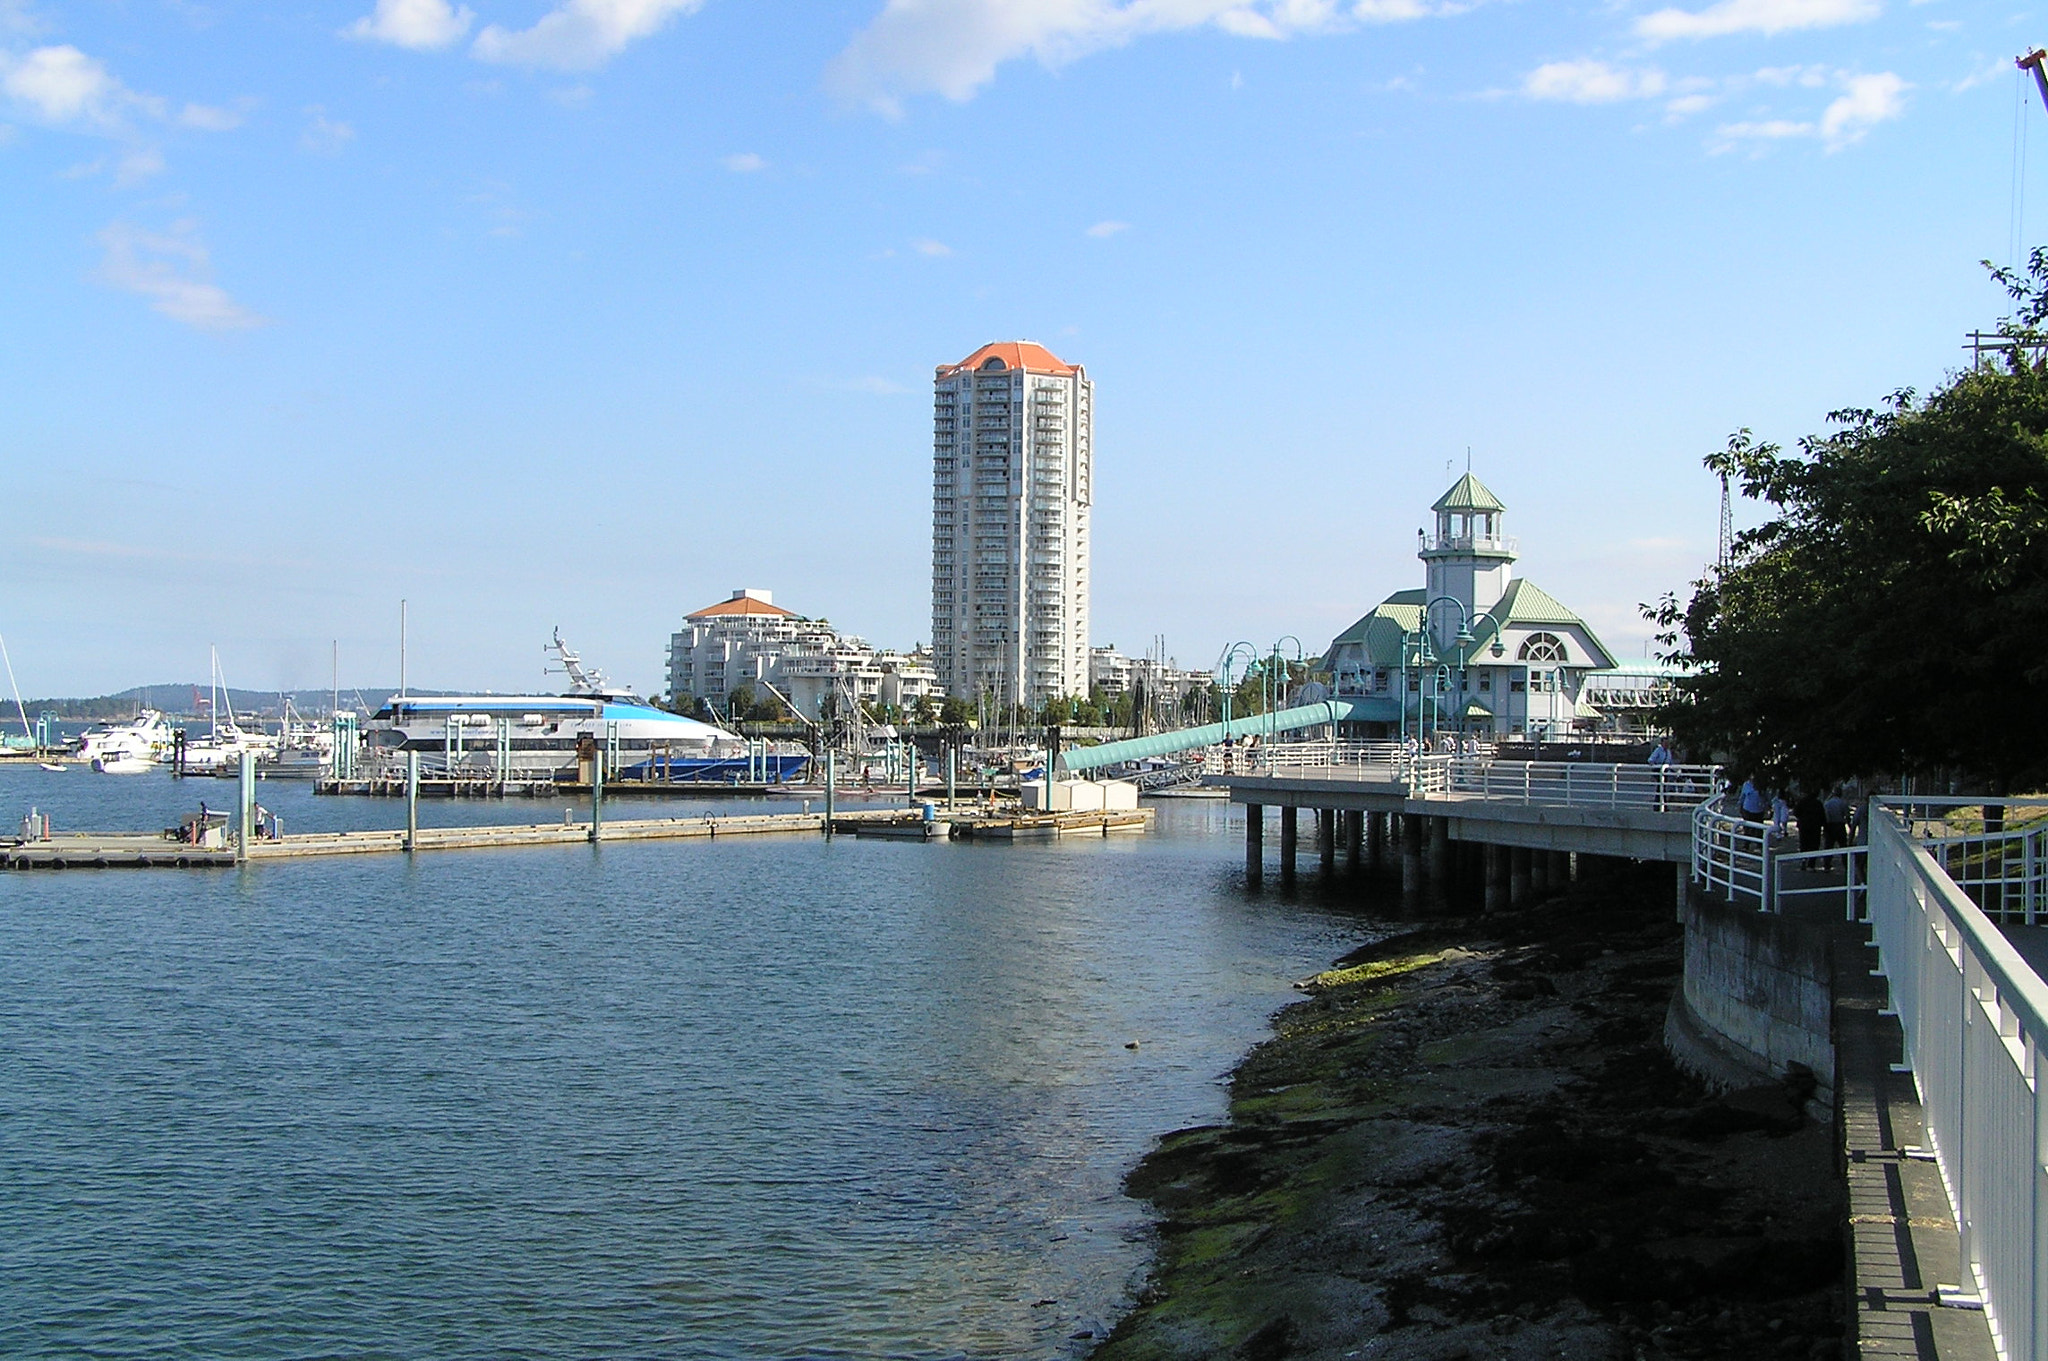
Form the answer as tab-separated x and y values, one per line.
1751	801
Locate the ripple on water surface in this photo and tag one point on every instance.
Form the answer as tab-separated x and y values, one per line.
750	1098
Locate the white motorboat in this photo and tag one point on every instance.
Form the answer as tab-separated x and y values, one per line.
127	748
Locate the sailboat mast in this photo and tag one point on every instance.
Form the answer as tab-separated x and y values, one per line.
19	707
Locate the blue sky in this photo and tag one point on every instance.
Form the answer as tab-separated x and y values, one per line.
585	312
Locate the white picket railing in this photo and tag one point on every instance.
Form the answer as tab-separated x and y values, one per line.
1975	1018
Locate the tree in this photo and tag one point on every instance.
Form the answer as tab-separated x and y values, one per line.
1890	619
956	712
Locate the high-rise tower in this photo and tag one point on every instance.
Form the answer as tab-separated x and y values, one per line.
1012	475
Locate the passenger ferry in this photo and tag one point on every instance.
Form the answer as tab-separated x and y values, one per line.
529	736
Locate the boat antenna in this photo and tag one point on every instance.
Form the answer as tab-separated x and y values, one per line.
19	707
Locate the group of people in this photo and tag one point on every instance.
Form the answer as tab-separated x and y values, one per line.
1829	823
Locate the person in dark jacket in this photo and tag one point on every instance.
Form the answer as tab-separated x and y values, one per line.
1811	815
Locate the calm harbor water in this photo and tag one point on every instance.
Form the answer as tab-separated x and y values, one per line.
742	1098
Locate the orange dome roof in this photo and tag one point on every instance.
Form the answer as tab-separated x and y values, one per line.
1014	354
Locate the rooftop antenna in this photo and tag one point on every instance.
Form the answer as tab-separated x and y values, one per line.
1727	525
1468	458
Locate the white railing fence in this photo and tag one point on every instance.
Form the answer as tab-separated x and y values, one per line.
1997	853
1579	784
1746	862
1975	1018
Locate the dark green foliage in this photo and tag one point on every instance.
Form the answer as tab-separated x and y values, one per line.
1893	617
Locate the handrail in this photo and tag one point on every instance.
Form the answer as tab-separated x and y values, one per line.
1975	1018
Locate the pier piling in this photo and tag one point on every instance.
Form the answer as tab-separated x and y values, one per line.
1254	844
245	803
1354	833
1289	835
1411	860
1518	876
831	780
1326	839
412	800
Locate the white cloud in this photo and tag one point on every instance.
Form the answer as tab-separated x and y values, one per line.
1591	82
173	271
1754	16
208	118
1770	129
1870	100
1102	230
324	136
744	163
953	47
927	246
579	34
62	85
421	25
1865	102
1995	69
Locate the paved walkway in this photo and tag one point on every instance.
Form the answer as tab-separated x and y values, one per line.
1902	1232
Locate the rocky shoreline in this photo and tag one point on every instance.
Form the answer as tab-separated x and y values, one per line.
1467	1141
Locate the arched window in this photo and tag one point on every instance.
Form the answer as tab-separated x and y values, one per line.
1542	647
991	363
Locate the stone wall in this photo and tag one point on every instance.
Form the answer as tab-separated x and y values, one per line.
1757	995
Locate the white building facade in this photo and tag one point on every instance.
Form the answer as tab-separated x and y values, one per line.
748	639
1012	486
1478	649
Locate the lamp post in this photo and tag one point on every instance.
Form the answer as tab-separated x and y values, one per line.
1464	641
1223	663
1276	678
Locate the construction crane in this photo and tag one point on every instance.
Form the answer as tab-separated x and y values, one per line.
2032	62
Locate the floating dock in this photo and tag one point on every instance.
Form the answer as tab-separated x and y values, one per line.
1053	826
163	851
78	850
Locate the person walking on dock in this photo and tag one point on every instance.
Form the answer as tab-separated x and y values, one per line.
1751	801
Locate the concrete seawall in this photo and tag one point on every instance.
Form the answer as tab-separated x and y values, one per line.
1757	995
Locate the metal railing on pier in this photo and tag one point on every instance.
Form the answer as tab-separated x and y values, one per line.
1744	862
1669	788
1975	1018
1578	784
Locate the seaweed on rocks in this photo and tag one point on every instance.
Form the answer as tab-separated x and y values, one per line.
1467	1141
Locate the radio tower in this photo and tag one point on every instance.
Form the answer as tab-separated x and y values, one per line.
1727	525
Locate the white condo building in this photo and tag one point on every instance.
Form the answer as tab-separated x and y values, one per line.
1012	481
748	639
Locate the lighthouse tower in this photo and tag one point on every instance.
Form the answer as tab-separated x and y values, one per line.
1468	558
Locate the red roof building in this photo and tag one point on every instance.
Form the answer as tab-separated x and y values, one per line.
1012	354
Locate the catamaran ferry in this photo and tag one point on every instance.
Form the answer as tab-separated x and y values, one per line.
529	736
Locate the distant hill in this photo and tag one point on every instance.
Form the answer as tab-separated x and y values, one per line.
190	701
